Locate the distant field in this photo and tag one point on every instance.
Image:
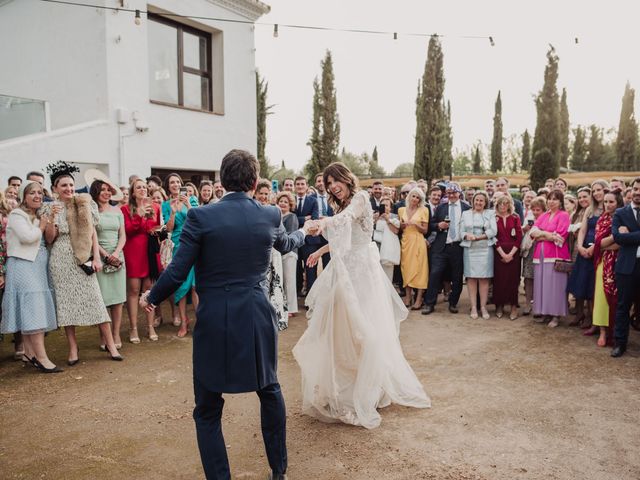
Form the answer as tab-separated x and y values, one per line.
516	179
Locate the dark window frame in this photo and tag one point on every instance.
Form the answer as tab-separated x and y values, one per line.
181	28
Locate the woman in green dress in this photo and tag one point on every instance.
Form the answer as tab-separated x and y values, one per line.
174	214
111	240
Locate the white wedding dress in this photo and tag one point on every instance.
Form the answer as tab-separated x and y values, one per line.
350	355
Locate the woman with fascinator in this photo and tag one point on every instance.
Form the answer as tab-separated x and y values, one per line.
75	257
350	355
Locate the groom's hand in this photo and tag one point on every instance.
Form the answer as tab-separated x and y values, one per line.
310	227
144	302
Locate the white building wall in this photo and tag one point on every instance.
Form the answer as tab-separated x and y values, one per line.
116	78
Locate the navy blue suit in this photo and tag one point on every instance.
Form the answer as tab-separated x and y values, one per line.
627	268
445	258
311	244
235	337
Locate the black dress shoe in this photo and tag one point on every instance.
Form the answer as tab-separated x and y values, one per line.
453	309
618	351
428	309
277	476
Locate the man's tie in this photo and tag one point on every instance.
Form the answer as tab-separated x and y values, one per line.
300	201
453	227
637	209
324	205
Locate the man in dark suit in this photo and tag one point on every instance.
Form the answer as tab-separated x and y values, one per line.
324	210
626	233
235	338
306	209
377	189
446	252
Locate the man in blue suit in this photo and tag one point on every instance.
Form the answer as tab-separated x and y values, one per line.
306	209
626	233
446	252
235	338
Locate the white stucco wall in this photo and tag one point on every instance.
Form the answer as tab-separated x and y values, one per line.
106	69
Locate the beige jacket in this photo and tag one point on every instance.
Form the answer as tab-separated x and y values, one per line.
23	235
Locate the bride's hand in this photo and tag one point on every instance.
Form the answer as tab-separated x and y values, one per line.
312	261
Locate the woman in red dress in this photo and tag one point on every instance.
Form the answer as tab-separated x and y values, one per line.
506	266
141	216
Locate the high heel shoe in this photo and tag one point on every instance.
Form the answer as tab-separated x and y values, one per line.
473	315
177	322
485	314
184	330
134	338
71	363
36	363
115	358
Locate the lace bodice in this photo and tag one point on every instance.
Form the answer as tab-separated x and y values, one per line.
351	227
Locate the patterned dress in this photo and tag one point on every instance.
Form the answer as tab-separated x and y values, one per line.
276	289
78	297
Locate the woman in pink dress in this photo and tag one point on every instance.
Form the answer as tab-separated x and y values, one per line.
549	284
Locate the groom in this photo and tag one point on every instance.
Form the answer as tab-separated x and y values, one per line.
235	338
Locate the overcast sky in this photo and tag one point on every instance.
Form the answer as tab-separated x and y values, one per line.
376	77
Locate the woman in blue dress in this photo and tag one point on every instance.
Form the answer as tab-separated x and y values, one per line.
174	214
28	306
582	279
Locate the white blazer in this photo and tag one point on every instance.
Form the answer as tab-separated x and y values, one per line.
23	235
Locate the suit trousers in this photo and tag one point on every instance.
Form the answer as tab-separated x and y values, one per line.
627	290
449	261
213	451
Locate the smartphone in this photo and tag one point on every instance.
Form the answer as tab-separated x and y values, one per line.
530	222
183	191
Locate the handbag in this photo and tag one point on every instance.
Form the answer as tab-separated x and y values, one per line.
563	266
87	267
111	267
166	252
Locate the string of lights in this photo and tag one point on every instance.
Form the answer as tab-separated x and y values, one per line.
138	20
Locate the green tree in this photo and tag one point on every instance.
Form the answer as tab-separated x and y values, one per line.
579	151
433	135
262	110
462	164
477	161
282	173
496	143
526	151
595	150
375	170
626	145
403	170
564	130
325	132
547	135
358	164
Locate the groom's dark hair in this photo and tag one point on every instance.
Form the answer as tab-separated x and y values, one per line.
239	171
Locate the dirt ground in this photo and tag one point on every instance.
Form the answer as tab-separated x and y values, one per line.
511	400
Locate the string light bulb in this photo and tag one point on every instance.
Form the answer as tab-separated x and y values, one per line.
138	19
275	30
493	44
395	35
576	40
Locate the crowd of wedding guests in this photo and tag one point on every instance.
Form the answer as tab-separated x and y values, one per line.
72	258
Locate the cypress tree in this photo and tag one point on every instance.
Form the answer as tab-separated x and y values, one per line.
547	135
432	136
578	155
496	143
526	151
477	161
627	141
375	170
564	129
325	133
262	110
595	150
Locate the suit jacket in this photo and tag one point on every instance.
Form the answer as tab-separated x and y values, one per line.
374	207
309	207
235	338
441	235
629	242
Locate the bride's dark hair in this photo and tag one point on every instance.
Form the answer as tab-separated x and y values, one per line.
340	173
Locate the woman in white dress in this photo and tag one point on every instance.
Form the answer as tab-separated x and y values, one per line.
350	355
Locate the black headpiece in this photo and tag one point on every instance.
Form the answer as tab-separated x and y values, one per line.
59	169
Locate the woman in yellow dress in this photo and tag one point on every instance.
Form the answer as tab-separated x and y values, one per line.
414	223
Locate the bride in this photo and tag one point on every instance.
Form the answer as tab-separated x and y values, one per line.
350	355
